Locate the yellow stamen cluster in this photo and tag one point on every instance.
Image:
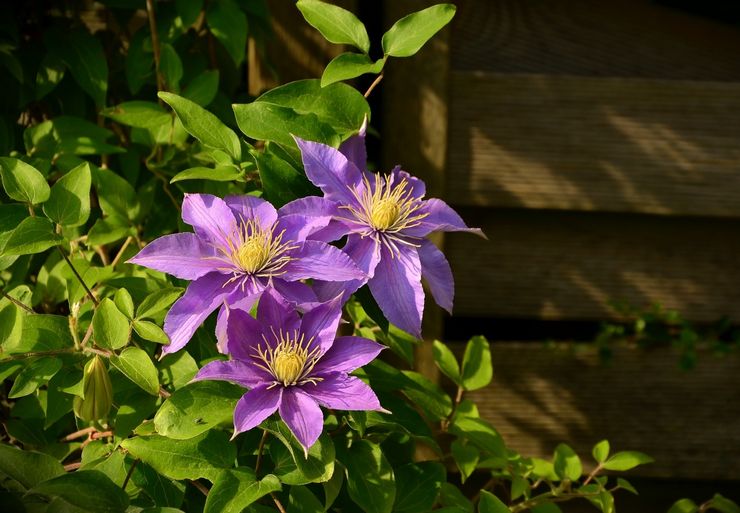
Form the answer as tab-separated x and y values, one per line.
385	206
257	251
290	361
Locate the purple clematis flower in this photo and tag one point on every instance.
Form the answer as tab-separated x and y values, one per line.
293	365
242	246
387	221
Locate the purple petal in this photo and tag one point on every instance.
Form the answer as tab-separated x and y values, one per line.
436	271
238	300
354	147
243	334
239	372
252	207
322	322
396	287
313	206
182	255
302	415
275	312
210	217
365	251
298	227
343	392
295	292
201	298
440	217
329	170
347	354
255	406
321	261
418	188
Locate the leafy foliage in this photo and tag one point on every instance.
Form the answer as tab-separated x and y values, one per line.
98	419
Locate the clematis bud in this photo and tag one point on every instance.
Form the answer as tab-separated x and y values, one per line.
97	391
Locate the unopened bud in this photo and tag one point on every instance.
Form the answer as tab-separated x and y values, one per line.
97	391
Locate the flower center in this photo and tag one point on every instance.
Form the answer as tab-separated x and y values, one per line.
254	250
291	360
253	253
386	206
288	365
384	213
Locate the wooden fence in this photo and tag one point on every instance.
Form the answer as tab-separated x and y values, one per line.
598	146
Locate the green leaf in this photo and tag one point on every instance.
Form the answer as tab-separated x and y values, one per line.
83	54
116	196
69	201
410	33
229	25
23	182
205	456
477	370
236	489
723	504
29	468
89	490
466	458
547	507
170	66
157	301
139	62
217	174
601	451
370	480
626	460
177	369
203	88
684	506
479	432
350	65
427	395
337	25
301	500
446	361
136	365
33	235
340	106
626	485
50	73
150	331
203	125
417	486
489	503
333	486
140	114
162	490
281	182
291	464
110	326
124	303
567	464
42	333
196	408
188	10
269	122
35	374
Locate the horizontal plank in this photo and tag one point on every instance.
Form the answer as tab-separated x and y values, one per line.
571	265
604	144
629	38
687	420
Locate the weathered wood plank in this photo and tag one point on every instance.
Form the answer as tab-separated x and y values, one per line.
628	38
570	265
687	420
604	144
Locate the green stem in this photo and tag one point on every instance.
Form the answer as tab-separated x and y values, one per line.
79	278
17	303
